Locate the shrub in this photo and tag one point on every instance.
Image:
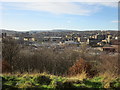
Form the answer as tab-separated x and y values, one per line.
5	67
109	64
81	66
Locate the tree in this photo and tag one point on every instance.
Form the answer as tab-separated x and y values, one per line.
9	50
83	50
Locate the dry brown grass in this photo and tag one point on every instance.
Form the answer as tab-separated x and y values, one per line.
81	76
108	78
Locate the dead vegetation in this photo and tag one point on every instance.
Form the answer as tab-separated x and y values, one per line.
57	62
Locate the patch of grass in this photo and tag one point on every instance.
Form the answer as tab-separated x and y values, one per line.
48	82
115	83
42	80
93	84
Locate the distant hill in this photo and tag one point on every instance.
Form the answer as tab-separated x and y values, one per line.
54	30
57	30
63	30
8	31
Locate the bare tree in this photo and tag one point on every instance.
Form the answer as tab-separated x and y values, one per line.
9	50
83	50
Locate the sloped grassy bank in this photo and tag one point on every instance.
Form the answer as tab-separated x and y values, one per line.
48	82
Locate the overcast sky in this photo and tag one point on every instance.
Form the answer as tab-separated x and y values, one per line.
59	15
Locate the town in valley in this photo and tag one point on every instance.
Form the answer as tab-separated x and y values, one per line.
100	40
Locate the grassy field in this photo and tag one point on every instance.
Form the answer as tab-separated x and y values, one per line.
47	82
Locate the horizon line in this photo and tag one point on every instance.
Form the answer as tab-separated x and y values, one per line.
62	30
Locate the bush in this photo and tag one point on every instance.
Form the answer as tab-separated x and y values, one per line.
81	66
5	67
109	64
44	60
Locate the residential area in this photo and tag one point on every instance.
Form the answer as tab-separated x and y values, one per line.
99	40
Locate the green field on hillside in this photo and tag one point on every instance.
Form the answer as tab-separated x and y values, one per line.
48	82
